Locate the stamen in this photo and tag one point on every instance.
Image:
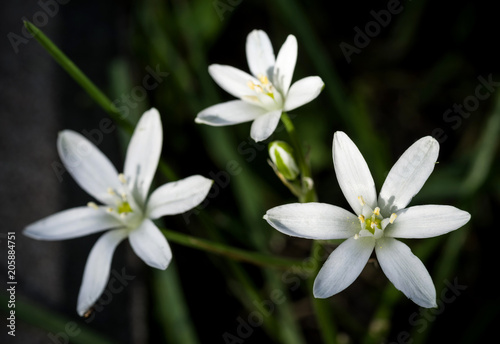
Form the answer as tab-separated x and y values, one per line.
109	210
263	79
361	200
392	218
122	179
356	236
377	211
251	85
361	218
92	205
111	191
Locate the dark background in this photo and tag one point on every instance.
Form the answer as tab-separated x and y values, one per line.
396	90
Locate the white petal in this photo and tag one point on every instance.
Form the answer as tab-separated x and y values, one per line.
406	271
285	64
150	245
178	197
318	221
352	172
97	269
408	175
72	223
263	126
260	53
303	91
90	168
232	80
143	154
426	221
228	113
343	266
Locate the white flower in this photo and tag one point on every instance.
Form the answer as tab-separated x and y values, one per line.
266	93
126	211
376	222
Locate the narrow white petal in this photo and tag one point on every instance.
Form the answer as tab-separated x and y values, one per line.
408	175
72	223
97	269
143	154
303	91
318	221
232	80
260	53
90	168
228	113
178	197
353	174
150	245
343	266
263	126
406	271
285	65
426	221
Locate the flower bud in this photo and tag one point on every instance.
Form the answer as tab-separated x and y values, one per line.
283	159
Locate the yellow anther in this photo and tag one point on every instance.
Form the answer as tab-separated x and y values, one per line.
392	218
251	85
263	79
111	191
122	179
377	211
109	210
92	205
361	218
361	200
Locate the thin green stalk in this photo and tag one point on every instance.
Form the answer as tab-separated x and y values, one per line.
171	307
321	307
52	322
77	75
308	189
230	252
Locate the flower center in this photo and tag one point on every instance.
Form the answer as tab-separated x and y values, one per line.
372	222
265	93
123	206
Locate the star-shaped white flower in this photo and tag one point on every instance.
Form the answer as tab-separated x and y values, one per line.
266	93
126	211
376	222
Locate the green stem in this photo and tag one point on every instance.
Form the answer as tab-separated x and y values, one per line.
308	190
321	307
231	252
78	75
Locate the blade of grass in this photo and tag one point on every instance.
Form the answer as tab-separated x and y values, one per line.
52	322
233	253
75	72
171	307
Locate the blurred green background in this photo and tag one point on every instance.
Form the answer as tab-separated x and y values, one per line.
419	74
